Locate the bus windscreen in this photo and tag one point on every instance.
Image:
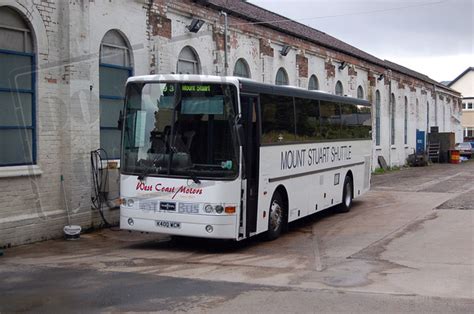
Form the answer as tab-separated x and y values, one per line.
174	129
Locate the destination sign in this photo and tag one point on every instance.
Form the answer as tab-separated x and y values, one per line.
196	88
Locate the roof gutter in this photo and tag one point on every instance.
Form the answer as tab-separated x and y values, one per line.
446	91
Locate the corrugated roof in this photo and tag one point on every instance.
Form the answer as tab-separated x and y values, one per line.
278	22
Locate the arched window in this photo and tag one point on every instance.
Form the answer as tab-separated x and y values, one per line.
360	92
281	77
114	69
392	119
444	117
417	110
405	129
188	62
241	68
313	83
17	90
377	118
339	89
427	117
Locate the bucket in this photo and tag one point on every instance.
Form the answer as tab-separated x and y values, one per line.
72	232
455	157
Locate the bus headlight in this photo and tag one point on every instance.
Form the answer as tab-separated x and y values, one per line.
208	209
130	221
130	202
219	209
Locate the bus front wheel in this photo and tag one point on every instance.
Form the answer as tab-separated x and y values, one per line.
347	195
276	217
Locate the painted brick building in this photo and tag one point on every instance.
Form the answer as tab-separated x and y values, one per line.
64	63
464	83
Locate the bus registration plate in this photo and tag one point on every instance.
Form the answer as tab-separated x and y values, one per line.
168	224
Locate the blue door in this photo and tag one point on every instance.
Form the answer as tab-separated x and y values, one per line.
420	141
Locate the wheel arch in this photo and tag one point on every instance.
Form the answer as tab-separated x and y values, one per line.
350	175
282	191
284	195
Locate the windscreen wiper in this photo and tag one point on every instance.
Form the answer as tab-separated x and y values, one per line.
146	172
148	169
193	176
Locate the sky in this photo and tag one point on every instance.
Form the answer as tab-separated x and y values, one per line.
433	37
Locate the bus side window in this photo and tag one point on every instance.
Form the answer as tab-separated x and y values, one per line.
254	112
349	121
278	121
330	119
307	120
364	121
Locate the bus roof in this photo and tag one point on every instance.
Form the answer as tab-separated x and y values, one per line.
250	86
184	78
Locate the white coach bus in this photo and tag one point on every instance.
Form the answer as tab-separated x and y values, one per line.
229	158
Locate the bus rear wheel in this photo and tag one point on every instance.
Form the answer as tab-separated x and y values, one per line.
347	196
276	217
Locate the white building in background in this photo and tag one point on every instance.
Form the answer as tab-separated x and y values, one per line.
464	84
64	64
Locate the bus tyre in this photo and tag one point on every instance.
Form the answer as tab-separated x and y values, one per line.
276	216
346	196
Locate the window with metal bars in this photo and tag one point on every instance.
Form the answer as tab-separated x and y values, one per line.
377	118
282	77
241	68
313	83
114	70
17	90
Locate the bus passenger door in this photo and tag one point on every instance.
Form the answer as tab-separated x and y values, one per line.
249	105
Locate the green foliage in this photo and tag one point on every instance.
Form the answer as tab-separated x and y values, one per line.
378	171
382	171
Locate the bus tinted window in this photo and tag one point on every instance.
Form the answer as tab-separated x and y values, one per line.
364	118
278	124
330	120
356	122
307	120
349	121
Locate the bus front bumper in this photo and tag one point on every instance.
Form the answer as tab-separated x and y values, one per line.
201	226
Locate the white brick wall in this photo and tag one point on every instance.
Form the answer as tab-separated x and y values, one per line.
316	67
67	39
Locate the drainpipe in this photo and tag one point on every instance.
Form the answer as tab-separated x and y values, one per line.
226	25
436	105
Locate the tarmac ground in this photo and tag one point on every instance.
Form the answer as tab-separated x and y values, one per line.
406	246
